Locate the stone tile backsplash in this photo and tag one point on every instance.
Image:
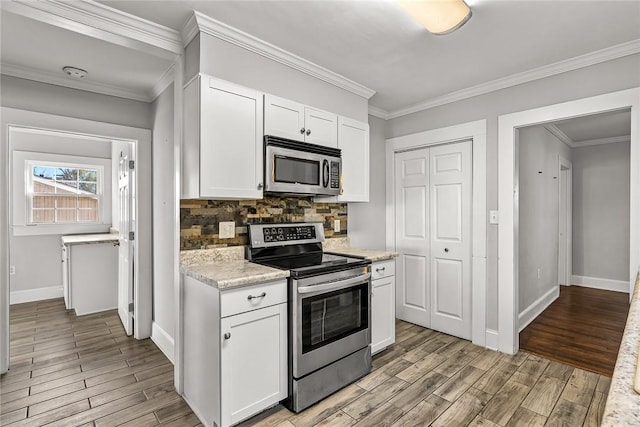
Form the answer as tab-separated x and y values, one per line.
199	218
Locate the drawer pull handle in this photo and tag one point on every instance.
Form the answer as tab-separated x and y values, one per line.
227	335
262	295
378	270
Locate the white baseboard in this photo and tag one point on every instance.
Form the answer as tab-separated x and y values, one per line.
491	339
530	313
37	294
598	283
163	340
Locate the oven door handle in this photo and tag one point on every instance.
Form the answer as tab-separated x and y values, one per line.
334	285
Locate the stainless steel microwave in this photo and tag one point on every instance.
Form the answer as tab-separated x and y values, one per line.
293	167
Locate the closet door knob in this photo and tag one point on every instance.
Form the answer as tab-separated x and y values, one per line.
302	130
308	131
227	335
446	249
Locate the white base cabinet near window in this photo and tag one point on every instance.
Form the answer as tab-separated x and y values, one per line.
383	306
235	350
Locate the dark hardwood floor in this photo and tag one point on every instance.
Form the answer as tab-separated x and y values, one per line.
582	328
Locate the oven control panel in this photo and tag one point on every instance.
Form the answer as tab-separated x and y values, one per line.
283	234
288	233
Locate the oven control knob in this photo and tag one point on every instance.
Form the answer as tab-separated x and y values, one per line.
273	231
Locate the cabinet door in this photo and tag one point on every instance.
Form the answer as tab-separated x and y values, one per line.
383	318
353	140
254	362
230	140
283	118
321	127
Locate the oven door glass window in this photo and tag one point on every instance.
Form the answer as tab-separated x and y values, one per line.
331	316
293	170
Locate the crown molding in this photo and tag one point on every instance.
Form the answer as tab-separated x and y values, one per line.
558	133
378	112
603	55
202	23
59	80
103	22
164	82
600	141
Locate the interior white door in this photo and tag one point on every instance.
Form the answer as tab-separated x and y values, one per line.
412	236
450	224
565	224
126	250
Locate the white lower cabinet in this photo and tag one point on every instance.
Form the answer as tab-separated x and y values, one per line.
383	313
234	366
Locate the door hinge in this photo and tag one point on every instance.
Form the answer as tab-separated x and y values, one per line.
132	164
130	307
131	235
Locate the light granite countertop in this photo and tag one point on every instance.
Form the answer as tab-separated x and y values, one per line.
89	238
226	268
342	246
623	403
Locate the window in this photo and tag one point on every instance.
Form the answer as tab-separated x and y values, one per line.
64	193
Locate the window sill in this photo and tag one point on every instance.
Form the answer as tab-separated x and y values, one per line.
59	229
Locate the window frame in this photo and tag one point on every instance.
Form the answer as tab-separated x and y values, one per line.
29	193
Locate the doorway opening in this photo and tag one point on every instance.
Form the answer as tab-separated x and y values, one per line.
564	248
28	134
509	195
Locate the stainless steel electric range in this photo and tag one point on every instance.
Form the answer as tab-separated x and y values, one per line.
329	309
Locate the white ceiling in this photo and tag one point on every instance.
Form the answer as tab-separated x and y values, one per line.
376	44
371	42
30	46
595	128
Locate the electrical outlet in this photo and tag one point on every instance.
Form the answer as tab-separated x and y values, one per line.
12	270
227	230
538	273
336	225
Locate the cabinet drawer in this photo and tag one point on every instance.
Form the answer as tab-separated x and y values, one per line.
383	269
249	298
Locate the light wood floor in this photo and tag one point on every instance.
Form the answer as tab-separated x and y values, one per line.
68	370
583	328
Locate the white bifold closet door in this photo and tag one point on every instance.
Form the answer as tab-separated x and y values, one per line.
433	237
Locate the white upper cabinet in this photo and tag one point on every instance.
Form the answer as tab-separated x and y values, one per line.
320	127
283	118
222	155
353	140
289	119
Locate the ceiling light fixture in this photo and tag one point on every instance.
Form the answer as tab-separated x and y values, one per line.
438	16
76	73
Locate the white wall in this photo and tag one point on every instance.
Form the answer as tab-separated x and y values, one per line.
163	212
40	97
45	98
623	73
538	151
24	250
230	62
601	211
367	220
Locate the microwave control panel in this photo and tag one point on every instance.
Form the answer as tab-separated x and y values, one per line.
335	175
289	233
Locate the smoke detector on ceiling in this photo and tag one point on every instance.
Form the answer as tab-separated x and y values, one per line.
76	73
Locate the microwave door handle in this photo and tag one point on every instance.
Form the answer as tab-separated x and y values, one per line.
334	285
325	173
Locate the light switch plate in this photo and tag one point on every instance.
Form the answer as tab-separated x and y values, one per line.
227	230
493	217
336	225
